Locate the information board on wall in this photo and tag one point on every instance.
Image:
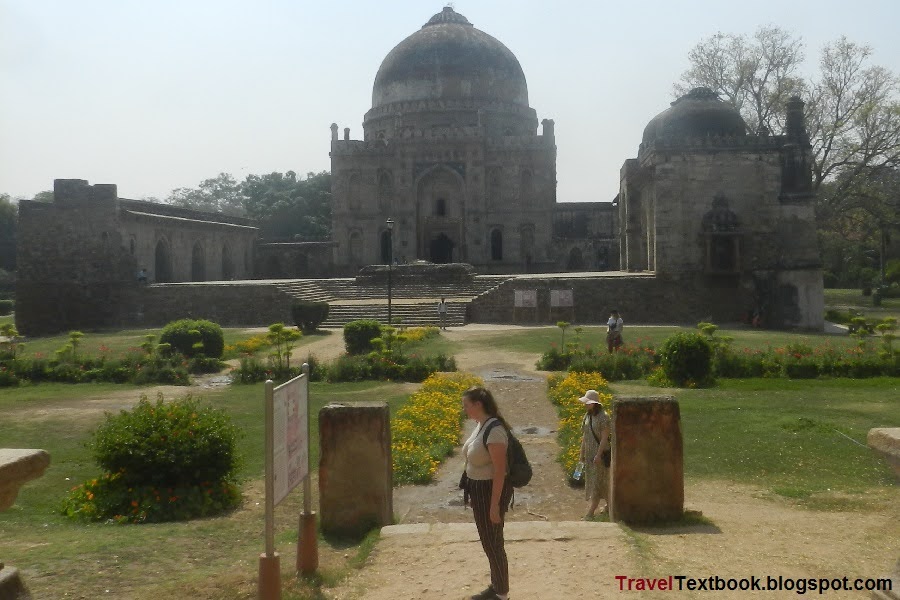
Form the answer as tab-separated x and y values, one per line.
290	435
525	299
561	299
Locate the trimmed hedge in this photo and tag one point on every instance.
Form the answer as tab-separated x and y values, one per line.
308	316
191	337
358	335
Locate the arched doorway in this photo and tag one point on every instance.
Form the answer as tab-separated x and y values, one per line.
576	261
162	265
198	263
227	264
442	249
496	245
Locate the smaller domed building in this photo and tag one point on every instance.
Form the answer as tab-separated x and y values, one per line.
708	206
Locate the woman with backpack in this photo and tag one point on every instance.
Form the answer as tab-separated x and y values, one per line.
595	452
486	485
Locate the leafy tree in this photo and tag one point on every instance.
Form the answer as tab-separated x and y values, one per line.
218	194
288	207
9	211
45	196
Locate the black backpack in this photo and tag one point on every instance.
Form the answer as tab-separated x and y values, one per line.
517	465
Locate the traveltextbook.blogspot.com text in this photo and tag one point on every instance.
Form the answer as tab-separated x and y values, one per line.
753	583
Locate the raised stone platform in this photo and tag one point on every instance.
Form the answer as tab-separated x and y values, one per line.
885	441
16	467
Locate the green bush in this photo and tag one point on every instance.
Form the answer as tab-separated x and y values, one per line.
309	315
167	444
686	359
358	335
162	462
6	307
194	336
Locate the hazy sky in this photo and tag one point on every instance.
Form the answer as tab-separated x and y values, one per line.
158	95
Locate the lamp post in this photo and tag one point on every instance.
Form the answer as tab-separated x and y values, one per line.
390	231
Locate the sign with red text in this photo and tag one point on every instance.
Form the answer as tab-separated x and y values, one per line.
290	435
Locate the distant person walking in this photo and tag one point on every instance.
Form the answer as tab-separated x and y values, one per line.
442	313
142	275
614	327
486	485
595	452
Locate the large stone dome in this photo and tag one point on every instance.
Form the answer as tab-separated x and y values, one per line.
449	59
698	114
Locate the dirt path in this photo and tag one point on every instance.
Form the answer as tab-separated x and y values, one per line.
749	533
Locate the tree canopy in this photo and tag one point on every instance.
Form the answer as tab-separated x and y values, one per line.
286	206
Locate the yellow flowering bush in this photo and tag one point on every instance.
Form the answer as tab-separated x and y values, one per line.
417	334
564	391
427	428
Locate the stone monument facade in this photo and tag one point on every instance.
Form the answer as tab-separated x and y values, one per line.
452	154
707	204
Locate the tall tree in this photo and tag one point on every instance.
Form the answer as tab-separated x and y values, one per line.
9	211
757	74
218	194
288	207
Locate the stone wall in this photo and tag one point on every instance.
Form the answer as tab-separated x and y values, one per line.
644	299
233	304
294	260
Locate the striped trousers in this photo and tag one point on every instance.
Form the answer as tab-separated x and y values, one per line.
491	535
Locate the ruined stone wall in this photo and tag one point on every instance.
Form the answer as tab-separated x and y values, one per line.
73	273
79	256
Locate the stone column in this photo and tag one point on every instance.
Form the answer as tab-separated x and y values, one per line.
647	470
355	470
17	467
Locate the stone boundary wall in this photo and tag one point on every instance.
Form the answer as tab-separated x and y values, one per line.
639	298
231	304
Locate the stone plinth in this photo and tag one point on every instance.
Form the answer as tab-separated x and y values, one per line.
355	471
16	467
886	442
647	470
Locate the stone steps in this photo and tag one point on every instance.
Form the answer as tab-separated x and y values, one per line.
415	314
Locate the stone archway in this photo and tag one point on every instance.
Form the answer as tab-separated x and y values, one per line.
227	264
441	249
198	263
162	263
576	260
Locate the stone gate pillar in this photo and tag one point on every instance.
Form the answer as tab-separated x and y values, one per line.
355	470
647	470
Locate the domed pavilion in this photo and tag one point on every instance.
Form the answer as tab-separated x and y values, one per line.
451	153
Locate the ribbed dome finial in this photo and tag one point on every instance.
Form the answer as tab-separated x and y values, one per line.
448	15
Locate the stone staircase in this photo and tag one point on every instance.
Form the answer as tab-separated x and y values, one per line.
413	302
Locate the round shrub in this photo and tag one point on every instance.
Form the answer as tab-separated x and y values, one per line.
686	359
167	444
309	315
191	337
6	307
358	335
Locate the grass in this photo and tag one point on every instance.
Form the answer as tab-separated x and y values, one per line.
179	559
801	440
842	299
539	340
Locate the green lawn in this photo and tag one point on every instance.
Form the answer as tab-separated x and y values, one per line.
539	340
842	299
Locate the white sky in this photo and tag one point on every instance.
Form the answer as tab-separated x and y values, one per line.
155	95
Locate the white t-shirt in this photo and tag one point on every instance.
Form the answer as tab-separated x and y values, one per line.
615	324
478	459
442	307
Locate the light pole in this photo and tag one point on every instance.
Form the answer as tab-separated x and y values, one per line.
390	257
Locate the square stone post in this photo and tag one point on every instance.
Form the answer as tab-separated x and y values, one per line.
647	470
355	469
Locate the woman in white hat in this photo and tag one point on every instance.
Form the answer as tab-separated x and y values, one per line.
594	445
